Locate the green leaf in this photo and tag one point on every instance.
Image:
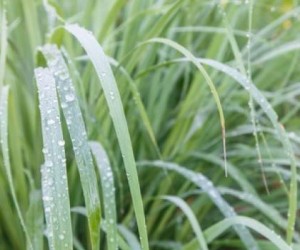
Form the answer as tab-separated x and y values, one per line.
6	158
110	89
54	176
108	194
192	218
72	113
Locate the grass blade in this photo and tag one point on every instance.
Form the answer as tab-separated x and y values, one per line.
75	124
190	57
108	189
255	201
6	157
283	137
54	177
281	50
110	89
130	238
207	186
192	218
217	229
35	219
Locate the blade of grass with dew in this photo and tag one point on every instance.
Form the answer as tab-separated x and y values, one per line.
108	193
233	171
256	202
240	64
54	177
217	229
192	218
112	96
139	103
254	121
130	238
76	127
281	50
283	137
190	57
35	219
208	29
207	186
82	211
6	158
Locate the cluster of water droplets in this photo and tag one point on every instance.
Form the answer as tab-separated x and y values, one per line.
54	182
76	127
108	189
3	119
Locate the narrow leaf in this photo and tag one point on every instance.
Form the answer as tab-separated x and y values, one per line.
76	127
54	177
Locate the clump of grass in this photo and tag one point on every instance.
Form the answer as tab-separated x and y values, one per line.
149	88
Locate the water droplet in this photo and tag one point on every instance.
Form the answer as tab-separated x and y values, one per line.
64	105
70	97
61	143
112	96
50	122
49	163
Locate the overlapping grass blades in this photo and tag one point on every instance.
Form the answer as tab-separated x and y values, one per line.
192	218
6	158
271	114
130	238
108	193
207	186
255	201
190	57
112	96
139	103
75	124
54	176
216	230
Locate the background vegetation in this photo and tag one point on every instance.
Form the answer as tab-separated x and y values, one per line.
183	135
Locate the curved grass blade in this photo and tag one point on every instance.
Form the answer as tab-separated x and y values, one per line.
139	103
75	124
207	186
233	171
190	57
112	96
217	229
283	137
281	50
130	238
263	207
108	190
192	218
6	157
54	177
